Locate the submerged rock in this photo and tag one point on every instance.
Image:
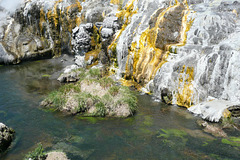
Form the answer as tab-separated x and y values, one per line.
209	128
75	151
6	137
56	155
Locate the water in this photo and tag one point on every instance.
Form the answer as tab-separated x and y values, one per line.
157	131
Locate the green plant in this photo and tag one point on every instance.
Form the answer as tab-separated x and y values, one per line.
82	100
107	99
56	99
106	82
114	90
46	75
37	154
100	109
68	87
130	98
95	73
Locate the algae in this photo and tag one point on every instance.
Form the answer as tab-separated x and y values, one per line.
173	137
233	141
148	121
3	114
46	75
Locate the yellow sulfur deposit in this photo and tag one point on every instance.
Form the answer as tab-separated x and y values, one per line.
61	21
185	88
124	15
150	52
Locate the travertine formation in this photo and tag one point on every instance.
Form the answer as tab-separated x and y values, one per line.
183	51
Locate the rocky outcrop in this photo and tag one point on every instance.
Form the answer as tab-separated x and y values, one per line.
6	137
47	28
188	48
183	51
39	29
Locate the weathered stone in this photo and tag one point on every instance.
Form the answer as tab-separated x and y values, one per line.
6	137
210	128
56	156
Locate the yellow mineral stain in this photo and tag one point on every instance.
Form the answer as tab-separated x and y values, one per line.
63	20
235	12
125	15
42	19
226	113
184	94
130	83
93	53
78	20
95	39
147	57
116	2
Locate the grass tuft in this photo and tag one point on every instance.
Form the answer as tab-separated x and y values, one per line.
37	154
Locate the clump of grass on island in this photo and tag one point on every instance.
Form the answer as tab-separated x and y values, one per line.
37	154
93	95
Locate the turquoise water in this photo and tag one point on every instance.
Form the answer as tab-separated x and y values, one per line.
157	131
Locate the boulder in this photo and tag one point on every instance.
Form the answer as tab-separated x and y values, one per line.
56	156
6	137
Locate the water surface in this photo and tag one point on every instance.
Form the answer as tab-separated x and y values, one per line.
157	131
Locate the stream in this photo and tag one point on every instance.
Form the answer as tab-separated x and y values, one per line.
156	131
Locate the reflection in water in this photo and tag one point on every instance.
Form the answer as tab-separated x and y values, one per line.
157	131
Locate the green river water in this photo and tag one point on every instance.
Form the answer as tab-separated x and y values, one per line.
157	131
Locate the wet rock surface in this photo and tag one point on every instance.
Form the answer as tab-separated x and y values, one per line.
6	137
56	156
210	128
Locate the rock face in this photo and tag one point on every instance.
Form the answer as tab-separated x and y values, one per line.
183	51
6	137
39	29
189	48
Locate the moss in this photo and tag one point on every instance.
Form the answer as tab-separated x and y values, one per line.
233	141
148	121
46	75
173	137
172	132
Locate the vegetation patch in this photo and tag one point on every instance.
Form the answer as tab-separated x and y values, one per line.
93	95
233	141
173	137
46	75
37	154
